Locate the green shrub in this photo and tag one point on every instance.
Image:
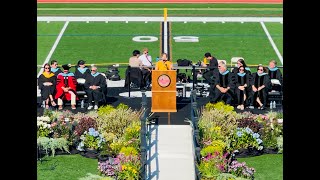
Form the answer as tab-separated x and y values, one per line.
216	146
116	121
222	117
53	144
129	151
105	109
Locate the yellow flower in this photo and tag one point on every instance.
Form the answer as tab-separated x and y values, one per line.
217	128
134	171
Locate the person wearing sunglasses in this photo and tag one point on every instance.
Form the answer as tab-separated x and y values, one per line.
80	74
242	85
94	86
146	70
47	85
66	87
81	70
260	84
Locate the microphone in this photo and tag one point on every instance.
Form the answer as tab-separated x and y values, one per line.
166	66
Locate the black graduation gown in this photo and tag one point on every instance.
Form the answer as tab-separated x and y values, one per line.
47	90
240	81
212	70
258	81
78	74
276	75
95	95
227	80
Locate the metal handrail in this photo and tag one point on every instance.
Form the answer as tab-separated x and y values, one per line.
143	137
196	137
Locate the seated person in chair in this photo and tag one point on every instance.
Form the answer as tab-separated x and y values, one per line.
135	65
224	85
242	85
146	71
80	74
54	67
241	62
275	76
260	84
47	85
66	87
94	86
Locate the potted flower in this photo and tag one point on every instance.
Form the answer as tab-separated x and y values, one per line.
91	141
43	126
241	170
246	142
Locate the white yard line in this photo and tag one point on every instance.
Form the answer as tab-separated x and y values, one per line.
159	19
54	47
271	41
153	9
165	39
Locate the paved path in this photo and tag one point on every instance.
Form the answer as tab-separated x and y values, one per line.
170	156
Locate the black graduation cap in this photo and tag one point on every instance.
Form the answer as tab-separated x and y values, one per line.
66	66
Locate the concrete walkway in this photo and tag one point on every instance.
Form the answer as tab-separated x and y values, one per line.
170	153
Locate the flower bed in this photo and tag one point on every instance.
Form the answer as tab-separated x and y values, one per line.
226	135
106	134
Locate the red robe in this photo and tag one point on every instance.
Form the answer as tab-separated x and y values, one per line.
66	81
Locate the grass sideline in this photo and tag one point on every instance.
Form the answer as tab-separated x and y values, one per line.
73	167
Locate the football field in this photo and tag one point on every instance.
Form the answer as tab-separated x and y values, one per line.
110	40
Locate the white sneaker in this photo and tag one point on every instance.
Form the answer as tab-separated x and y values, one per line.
90	107
95	107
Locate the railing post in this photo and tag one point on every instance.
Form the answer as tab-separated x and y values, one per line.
194	76
129	80
143	145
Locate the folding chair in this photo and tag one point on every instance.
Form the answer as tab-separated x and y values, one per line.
235	60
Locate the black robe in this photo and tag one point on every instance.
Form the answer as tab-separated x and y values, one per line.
240	81
47	90
98	94
78	74
276	75
227	80
212	70
258	81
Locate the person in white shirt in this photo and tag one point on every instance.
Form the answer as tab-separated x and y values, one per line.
146	71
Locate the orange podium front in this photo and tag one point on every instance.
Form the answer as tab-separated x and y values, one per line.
164	91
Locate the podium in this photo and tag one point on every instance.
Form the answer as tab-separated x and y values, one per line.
164	91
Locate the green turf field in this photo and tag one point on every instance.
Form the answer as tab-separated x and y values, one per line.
111	43
145	9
